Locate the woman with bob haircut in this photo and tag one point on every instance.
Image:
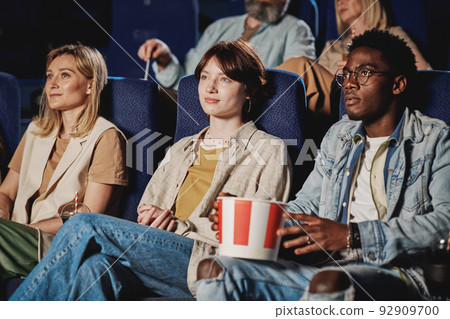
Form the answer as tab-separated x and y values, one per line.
96	257
66	150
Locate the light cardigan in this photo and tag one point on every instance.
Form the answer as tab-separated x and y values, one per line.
255	165
69	176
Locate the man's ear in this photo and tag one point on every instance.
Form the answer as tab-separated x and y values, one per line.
89	88
399	84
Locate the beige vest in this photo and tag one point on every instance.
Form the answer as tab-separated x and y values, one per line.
69	177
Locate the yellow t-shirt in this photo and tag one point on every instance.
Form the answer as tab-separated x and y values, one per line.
197	182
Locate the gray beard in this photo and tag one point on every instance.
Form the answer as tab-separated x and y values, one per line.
264	12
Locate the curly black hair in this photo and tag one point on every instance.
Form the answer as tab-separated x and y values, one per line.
394	50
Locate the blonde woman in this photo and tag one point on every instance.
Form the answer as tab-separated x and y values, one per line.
353	18
67	149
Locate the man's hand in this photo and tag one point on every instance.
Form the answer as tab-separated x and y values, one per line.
155	49
154	216
214	218
323	234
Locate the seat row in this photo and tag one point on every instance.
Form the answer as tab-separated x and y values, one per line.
176	23
132	104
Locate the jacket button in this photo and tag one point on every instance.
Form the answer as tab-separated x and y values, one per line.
372	256
344	204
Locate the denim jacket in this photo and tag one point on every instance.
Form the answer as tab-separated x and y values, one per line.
417	179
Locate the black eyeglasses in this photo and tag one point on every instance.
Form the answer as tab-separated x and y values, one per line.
361	75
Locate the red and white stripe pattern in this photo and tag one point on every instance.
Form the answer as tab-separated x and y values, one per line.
76	202
247	228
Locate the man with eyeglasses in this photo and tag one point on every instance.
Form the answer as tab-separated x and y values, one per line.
378	195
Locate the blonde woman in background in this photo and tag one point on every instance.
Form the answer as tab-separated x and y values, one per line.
67	149
353	17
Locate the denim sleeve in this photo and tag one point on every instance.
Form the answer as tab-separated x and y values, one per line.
384	241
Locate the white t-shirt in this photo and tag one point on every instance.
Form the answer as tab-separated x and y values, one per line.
362	206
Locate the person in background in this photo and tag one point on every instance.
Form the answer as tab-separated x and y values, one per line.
354	17
274	35
67	149
99	257
378	194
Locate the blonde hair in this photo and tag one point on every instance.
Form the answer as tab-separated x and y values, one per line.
374	18
91	64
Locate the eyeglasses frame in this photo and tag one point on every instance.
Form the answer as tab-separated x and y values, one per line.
355	74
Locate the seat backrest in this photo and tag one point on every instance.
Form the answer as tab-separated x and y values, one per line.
9	115
428	93
411	16
134	21
131	104
308	11
329	20
283	114
438	34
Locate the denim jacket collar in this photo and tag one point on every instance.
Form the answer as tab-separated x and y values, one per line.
407	129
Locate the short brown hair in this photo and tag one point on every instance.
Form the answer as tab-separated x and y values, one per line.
91	64
239	62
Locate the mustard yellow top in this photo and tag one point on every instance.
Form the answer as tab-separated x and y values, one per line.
197	182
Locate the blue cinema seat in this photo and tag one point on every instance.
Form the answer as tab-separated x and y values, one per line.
132	105
411	16
283	115
9	116
438	34
134	21
10	130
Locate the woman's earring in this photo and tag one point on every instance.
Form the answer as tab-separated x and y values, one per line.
249	105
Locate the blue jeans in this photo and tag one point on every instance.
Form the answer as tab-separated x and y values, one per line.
243	279
97	257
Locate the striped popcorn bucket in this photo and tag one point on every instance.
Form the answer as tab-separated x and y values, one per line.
247	227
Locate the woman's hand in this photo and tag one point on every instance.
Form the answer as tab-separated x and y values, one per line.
154	216
315	234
